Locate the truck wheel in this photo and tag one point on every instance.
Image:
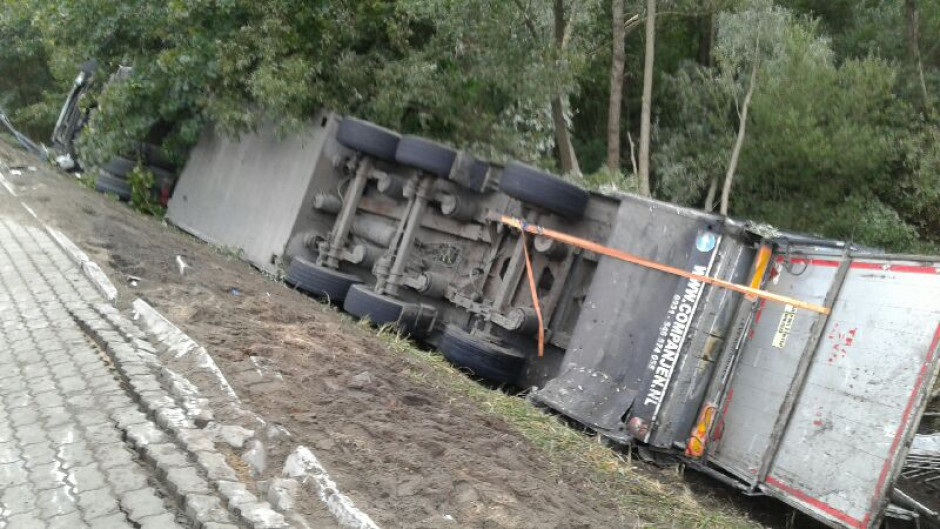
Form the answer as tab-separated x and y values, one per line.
480	357
429	156
109	184
381	310
368	138
119	166
320	281
536	187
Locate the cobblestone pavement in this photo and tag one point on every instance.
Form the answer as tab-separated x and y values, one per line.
88	437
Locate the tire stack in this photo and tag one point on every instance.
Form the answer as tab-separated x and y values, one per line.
111	178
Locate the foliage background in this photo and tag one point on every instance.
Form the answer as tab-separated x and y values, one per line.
841	140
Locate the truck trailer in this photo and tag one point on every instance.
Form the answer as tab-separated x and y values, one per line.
780	364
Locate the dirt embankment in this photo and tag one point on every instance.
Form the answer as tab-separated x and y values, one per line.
409	449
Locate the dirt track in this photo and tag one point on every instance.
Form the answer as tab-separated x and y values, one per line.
408	453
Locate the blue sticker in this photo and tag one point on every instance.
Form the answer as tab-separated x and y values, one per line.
705	242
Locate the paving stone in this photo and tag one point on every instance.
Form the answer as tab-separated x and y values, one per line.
142	383
115	455
14	385
37	370
195	440
68	521
173	419
142	503
56	502
95	417
144	434
63	434
162	521
103	432
113	521
56	416
18	399
97	503
261	516
75	455
86	478
126	479
48	476
9	453
24	521
204	508
38	454
72	384
186	480
29	434
215	466
166	457
128	416
49	399
23	416
18	499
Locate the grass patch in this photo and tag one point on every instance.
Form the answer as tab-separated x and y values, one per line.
611	475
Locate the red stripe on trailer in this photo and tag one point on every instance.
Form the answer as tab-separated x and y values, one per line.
813	262
899	434
809	500
906	269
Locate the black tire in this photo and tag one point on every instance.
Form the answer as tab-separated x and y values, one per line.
108	183
319	281
547	191
381	310
120	166
480	357
426	155
368	138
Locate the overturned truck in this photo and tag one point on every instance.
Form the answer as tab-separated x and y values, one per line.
816	408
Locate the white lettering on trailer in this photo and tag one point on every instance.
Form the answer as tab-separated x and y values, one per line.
676	333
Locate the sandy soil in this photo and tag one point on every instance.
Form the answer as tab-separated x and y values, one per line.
407	454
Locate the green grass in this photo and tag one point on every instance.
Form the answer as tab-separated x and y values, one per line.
609	472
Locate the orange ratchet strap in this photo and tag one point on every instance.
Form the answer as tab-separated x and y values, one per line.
535	295
591	246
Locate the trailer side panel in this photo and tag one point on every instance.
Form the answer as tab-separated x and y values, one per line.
843	442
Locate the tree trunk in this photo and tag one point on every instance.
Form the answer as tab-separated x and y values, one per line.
710	197
706	40
913	45
739	142
616	87
566	155
645	114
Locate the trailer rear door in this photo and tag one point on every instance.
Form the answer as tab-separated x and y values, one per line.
828	435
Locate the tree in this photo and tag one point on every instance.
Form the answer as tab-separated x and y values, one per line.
25	75
562	34
825	138
618	56
646	112
738	142
913	45
740	50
